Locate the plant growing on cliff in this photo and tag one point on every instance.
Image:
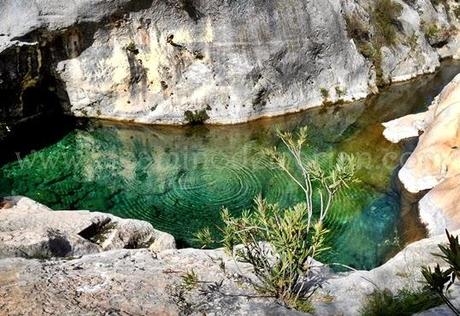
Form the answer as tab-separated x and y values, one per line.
383	29
197	117
324	94
440	280
403	303
281	244
385	17
131	47
340	92
431	31
190	280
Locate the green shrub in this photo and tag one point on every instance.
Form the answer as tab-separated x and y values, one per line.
431	30
197	117
405	302
205	238
412	41
281	243
190	280
324	94
340	92
131	47
382	32
385	17
374	53
356	29
440	280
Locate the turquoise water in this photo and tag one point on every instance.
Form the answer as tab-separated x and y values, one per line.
179	178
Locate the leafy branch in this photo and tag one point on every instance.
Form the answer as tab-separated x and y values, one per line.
438	280
281	244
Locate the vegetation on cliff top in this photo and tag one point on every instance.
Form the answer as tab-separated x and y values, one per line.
383	31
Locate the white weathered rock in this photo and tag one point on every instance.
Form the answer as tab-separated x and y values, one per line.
238	66
151	61
29	229
347	293
142	282
130	282
439	208
406	127
435	162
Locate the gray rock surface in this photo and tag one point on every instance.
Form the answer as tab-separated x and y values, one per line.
129	282
31	230
146	282
151	61
347	293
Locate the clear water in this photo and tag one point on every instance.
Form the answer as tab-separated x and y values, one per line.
179	178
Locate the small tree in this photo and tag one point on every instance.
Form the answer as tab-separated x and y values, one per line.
279	243
330	182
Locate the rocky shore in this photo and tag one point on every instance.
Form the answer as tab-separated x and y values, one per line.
74	263
434	165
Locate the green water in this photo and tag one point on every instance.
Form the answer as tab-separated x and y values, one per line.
179	178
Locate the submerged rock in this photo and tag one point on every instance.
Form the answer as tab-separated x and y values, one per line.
216	61
31	230
434	165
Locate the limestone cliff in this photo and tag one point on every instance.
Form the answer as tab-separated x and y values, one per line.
221	61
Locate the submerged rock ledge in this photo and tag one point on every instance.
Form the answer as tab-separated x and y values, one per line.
434	165
53	264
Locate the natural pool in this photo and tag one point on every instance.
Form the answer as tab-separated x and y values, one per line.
179	178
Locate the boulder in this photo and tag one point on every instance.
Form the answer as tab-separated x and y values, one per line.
29	229
434	164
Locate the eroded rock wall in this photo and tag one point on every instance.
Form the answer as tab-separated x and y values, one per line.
434	165
223	61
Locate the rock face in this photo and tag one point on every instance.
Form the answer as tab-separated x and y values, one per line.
129	282
435	162
350	290
219	61
31	230
145	282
